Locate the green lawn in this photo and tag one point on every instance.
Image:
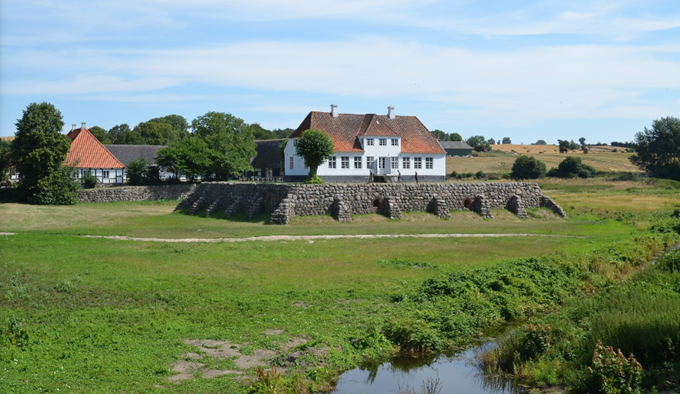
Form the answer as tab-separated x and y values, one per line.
106	315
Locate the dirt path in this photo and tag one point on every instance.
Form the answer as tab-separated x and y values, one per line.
318	237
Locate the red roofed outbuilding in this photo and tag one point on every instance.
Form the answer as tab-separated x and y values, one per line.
88	155
386	145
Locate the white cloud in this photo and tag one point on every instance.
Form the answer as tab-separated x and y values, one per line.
518	84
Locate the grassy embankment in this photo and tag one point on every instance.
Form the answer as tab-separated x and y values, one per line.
96	315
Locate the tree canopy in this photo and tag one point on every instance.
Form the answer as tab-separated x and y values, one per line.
528	167
101	134
189	156
38	153
572	167
5	160
658	149
446	137
507	140
477	141
315	147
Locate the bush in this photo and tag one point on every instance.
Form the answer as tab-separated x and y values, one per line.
527	167
613	373
58	188
572	167
137	171
90	181
314	180
480	174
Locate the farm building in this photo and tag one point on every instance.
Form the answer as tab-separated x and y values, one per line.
456	148
88	155
368	143
267	163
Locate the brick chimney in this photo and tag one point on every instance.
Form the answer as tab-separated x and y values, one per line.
334	110
390	112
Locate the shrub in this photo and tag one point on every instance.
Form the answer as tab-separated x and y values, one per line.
480	174
527	167
58	188
90	181
314	180
613	373
137	171
572	167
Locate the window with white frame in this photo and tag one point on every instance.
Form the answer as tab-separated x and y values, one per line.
406	163
106	174
394	163
292	162
395	142
344	161
369	141
429	163
417	163
357	162
370	162
383	141
332	163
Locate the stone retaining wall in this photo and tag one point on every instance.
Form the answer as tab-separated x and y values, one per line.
136	193
284	201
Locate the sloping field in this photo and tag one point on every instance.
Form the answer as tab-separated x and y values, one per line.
501	158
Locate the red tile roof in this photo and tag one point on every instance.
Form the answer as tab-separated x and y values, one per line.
87	152
345	129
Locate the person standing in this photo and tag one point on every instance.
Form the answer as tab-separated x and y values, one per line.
399	176
416	176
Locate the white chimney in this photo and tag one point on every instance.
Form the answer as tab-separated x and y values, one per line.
73	126
82	125
334	110
390	112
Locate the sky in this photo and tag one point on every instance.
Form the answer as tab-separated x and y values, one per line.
528	70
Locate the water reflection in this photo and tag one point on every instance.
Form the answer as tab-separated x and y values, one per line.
457	373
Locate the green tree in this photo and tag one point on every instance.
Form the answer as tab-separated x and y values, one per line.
455	137
189	157
315	147
130	137
176	121
5	161
154	133
137	171
260	133
230	140
528	167
491	141
116	131
572	167
101	134
582	141
564	146
283	133
506	140
440	135
38	154
477	141
573	145
658	149
540	142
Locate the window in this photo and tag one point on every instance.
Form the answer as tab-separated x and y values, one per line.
370	162
406	163
383	141
394	163
382	162
417	163
106	174
357	162
332	162
395	142
369	141
292	162
344	162
429	163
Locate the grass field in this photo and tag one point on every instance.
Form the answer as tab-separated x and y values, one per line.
101	315
501	158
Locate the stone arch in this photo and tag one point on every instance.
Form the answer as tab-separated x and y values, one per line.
467	203
376	204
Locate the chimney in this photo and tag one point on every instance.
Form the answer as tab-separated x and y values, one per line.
390	112
73	126
334	110
82	125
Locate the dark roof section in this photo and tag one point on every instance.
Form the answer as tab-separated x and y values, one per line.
127	153
267	154
345	128
454	145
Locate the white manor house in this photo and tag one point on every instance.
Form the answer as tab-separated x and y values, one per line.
385	145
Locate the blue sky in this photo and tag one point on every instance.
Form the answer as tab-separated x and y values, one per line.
522	69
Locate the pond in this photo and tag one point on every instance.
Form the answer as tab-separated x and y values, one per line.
455	374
